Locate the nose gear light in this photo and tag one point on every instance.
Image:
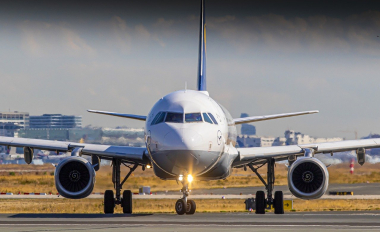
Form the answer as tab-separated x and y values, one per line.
189	178
180	178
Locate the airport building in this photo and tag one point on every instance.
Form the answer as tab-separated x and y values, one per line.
291	138
10	122
18	119
247	129
57	121
258	141
297	138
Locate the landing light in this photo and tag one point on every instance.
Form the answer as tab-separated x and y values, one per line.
189	178
180	178
148	166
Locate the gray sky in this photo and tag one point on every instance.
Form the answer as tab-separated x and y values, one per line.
263	57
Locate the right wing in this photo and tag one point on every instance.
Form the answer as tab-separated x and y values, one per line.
125	153
260	154
131	116
270	117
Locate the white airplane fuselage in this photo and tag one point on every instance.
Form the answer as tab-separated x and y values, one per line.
187	132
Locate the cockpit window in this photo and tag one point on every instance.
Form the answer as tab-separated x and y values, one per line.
212	118
174	117
193	117
159	118
207	118
155	118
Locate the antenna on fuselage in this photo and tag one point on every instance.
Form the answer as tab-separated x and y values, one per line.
202	50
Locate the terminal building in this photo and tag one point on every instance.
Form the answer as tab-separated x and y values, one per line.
19	119
10	122
55	121
291	138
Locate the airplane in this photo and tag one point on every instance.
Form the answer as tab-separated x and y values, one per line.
189	136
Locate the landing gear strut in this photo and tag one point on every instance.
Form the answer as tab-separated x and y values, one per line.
185	205
261	203
126	201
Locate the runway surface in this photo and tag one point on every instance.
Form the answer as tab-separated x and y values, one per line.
358	189
361	191
323	221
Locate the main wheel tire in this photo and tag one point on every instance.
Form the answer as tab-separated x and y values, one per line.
260	202
278	202
180	207
191	207
126	201
109	202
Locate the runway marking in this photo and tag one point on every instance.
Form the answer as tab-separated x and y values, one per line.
192	225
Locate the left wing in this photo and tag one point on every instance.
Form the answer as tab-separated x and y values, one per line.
132	154
131	116
257	154
270	117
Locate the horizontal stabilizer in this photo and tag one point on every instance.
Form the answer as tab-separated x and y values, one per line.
131	116
270	117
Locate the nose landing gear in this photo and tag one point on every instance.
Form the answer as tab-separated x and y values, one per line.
185	205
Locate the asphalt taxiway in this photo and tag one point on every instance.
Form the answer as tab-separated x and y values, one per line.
361	191
357	189
322	221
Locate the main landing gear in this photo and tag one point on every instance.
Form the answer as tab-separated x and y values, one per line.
110	201
185	205
261	202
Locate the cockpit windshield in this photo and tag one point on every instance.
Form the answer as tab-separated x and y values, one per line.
193	117
212	118
178	118
207	118
159	118
174	117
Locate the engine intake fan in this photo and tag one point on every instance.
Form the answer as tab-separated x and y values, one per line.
308	178
74	178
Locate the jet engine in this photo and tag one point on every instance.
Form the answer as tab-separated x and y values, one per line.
74	178
308	178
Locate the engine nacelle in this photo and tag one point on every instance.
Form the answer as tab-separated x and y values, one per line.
74	178
308	178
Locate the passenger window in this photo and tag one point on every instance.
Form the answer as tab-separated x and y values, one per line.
174	117
207	118
155	118
193	117
212	118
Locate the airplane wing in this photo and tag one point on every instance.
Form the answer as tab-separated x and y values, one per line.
258	154
131	116
125	153
270	117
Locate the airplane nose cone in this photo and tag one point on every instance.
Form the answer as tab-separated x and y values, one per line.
177	140
192	140
183	150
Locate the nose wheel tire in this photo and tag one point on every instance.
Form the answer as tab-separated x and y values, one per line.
126	201
260	202
180	206
109	202
191	207
278	202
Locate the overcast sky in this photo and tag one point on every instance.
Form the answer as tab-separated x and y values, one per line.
263	57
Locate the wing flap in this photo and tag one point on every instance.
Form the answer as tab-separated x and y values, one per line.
270	117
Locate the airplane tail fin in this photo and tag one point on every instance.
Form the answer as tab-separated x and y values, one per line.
202	50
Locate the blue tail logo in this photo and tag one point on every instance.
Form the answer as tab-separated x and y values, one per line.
202	50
